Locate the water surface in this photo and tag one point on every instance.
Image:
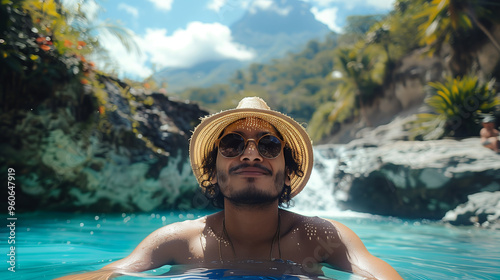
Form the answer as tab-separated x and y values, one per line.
50	245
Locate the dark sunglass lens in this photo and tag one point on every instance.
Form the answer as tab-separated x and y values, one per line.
269	146
231	145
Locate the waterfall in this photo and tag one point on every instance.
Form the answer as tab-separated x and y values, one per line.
317	196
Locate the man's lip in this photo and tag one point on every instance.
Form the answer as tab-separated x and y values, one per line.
251	171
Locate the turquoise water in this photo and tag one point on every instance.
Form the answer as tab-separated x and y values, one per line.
50	245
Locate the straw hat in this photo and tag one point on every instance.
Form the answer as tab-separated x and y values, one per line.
294	135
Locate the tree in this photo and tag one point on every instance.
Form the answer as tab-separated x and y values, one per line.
359	76
447	21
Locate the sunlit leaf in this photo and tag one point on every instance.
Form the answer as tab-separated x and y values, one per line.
461	98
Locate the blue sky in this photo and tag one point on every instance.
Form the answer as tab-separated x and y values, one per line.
182	33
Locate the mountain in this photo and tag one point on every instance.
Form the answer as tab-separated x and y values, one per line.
271	33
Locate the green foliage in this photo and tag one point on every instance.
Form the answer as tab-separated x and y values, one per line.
317	128
32	65
359	85
453	22
366	54
295	84
43	47
456	106
356	28
442	22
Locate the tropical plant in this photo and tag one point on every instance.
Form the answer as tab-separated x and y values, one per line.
360	80
447	21
320	125
456	107
362	76
356	28
43	46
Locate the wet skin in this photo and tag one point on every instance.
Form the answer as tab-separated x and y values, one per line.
251	227
489	136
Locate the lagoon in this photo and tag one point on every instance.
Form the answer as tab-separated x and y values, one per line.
54	244
50	245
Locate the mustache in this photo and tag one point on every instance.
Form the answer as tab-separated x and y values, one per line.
245	165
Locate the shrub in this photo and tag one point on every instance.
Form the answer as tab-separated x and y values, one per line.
456	106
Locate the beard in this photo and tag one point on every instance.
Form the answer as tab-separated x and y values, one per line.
252	196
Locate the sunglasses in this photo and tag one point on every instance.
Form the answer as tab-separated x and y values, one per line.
233	144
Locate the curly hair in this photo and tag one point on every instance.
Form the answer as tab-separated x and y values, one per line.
213	193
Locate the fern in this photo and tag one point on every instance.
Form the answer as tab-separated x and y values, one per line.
456	105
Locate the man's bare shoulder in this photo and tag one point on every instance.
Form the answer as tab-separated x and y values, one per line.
166	245
186	229
298	220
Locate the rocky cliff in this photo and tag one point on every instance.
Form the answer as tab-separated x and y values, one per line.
456	180
406	91
129	154
414	179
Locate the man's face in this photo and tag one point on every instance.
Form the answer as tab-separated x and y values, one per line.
251	179
489	125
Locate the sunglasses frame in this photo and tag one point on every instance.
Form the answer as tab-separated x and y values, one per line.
282	142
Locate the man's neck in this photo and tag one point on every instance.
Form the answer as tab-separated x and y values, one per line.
251	224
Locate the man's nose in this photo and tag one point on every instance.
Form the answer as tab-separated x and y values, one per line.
251	153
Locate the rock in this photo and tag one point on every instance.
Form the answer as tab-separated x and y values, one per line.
131	155
402	96
414	179
482	209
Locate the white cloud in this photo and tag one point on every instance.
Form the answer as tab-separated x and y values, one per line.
327	16
89	8
163	4
222	7
352	4
199	42
268	5
262	4
133	11
131	65
216	5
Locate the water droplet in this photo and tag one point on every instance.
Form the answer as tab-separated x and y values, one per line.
82	224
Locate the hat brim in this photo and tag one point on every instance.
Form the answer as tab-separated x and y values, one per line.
205	135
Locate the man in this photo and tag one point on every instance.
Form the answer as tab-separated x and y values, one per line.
489	135
249	161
